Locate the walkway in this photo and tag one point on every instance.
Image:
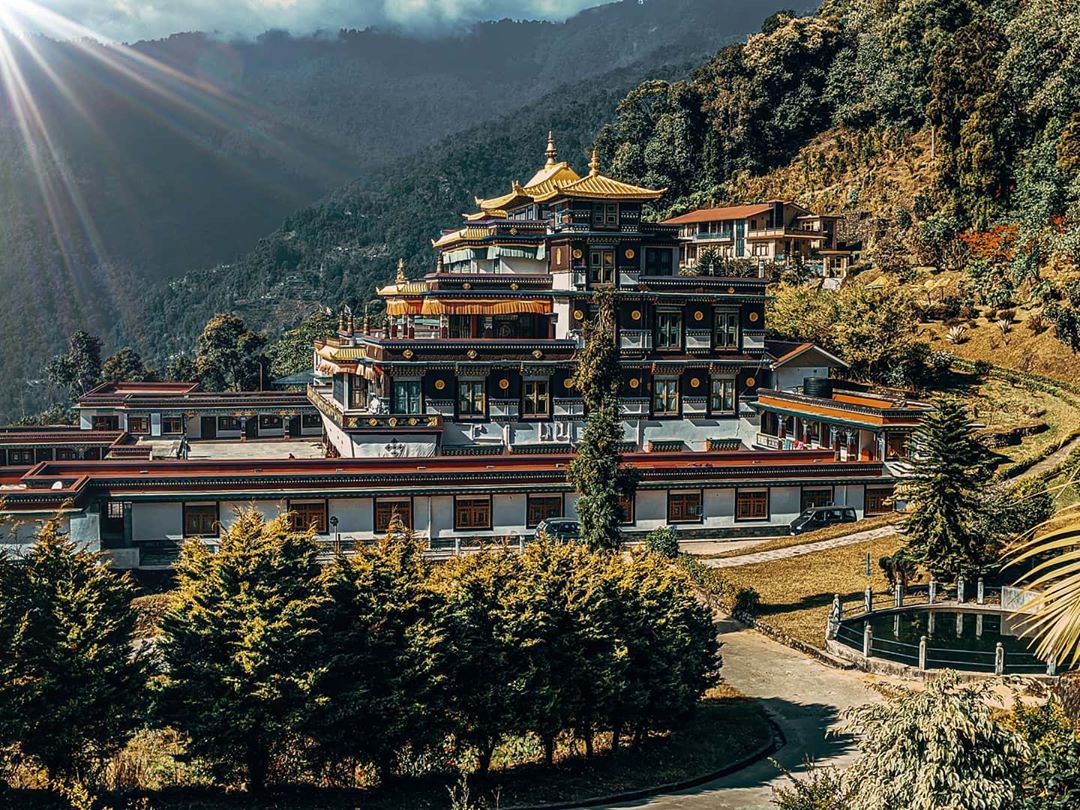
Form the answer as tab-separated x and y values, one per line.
803	696
1051	461
798	551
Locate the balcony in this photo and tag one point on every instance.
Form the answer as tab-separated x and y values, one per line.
769	442
569	407
362	420
504	409
695	406
628	278
635	340
636	408
698	340
714	236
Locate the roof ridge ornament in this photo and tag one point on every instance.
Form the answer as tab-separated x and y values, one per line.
551	152
401	272
594	164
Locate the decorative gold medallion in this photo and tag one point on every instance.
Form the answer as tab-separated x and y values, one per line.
636	314
514	286
392	421
753	317
579	315
629	253
471	354
634	382
577	253
730	290
412	420
568	382
695	383
440	385
699	315
513	231
537	354
466	286
750	382
407	354
373	421
504	383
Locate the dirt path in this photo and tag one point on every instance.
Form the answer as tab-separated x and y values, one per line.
797	551
803	697
1052	460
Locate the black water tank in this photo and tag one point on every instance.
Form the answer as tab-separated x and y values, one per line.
817	387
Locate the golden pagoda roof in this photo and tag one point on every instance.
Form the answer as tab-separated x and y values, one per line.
548	177
599	186
478	216
407	288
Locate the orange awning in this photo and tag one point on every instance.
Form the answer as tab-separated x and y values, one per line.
486	306
403	306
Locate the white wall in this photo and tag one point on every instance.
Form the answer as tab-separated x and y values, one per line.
154	521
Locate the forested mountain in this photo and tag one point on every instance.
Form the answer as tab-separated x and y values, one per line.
120	167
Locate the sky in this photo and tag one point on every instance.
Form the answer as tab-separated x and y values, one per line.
129	20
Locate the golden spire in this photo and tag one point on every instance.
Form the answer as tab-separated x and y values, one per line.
551	152
594	164
401	271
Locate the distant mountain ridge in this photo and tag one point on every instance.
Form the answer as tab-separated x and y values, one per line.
186	160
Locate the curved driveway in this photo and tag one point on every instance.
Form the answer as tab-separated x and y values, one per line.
802	695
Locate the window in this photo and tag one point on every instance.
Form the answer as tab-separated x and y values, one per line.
115	510
358	393
306	514
106	422
602	266
228	423
722	398
726	329
471	398
761	250
472	512
669	330
542	507
658	261
172	424
878	502
200	519
311	420
138	424
752	504
269	422
666	397
405	396
896	446
605	215
65	454
684	507
536	398
18	457
816	497
626	509
460	326
387	508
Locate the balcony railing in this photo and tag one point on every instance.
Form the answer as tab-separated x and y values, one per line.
635	340
695	406
633	407
698	340
713	236
569	407
504	409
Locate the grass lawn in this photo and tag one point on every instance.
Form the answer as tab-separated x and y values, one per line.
726	728
828	533
797	593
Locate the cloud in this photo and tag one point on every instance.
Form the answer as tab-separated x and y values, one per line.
130	20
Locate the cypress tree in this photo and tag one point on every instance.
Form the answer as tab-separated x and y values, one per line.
595	471
71	686
241	645
948	469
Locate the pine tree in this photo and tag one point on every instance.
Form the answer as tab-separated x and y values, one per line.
595	471
948	469
71	687
379	692
241	645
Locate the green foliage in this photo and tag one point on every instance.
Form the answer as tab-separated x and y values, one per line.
595	470
230	356
936	749
663	541
899	567
820	789
79	370
291	353
125	366
71	688
181	368
942	523
1052	774
240	645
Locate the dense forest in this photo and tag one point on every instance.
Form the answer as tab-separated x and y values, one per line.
122	167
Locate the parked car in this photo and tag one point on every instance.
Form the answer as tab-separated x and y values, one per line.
562	530
818	517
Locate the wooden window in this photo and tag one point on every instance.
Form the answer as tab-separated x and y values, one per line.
658	261
228	423
387	508
752	504
201	519
722	399
626	509
172	424
459	326
310	420
358	392
878	502
105	422
666	397
472	512
269	422
669	330
306	514
542	507
66	454
405	397
684	507
471	398
602	266
726	329
605	215
138	424
816	497
536	398
114	510
20	456
896	446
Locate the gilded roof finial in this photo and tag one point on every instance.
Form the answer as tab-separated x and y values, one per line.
594	164
401	271
551	152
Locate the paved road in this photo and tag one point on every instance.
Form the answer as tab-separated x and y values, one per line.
796	551
804	698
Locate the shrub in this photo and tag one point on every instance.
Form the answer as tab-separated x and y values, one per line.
941	361
663	541
956	334
747	602
982	368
